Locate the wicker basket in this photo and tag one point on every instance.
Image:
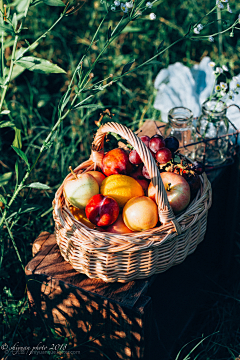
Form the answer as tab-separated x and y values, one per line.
116	257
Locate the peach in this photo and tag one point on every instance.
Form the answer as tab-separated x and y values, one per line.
140	213
102	210
118	227
97	175
116	161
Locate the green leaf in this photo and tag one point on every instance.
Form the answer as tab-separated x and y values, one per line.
129	29
109	34
127	67
54	2
8	29
4	179
40	186
3	199
90	106
17	142
160	47
17	70
14	21
22	155
4	124
40	65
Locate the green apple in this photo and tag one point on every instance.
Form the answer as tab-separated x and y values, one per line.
78	191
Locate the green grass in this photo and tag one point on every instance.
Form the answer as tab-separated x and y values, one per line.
33	100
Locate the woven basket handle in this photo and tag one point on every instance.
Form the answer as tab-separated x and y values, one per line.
165	212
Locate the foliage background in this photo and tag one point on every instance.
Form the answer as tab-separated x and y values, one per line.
33	100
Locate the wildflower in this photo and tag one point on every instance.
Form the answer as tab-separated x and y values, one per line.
212	64
220	6
138	13
116	3
217	88
229	9
149	5
238	85
199	27
231	34
152	16
219	70
235	78
225	68
231	97
223	85
211	39
225	1
196	31
222	92
113	8
129	5
124	8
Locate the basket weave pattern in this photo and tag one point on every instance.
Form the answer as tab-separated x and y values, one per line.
118	257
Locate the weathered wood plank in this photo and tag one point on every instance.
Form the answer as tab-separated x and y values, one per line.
52	264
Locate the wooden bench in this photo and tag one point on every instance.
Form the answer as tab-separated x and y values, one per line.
142	319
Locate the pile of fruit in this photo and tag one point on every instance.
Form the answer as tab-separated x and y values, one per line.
120	198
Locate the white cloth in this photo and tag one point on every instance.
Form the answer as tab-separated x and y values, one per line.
178	85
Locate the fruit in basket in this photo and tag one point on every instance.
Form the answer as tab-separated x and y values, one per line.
97	175
80	189
116	161
163	155
144	184
145	173
137	173
121	188
134	158
177	188
140	213
156	143
193	180
102	210
171	143
198	167
80	215
145	139
118	227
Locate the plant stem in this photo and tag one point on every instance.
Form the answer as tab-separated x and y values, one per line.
14	244
40	37
10	73
22	184
220	39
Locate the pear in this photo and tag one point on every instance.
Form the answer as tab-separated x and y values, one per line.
78	191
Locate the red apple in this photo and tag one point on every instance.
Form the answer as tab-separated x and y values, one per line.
118	227
177	188
102	210
116	161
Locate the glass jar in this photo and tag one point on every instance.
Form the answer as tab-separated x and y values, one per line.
180	125
213	126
